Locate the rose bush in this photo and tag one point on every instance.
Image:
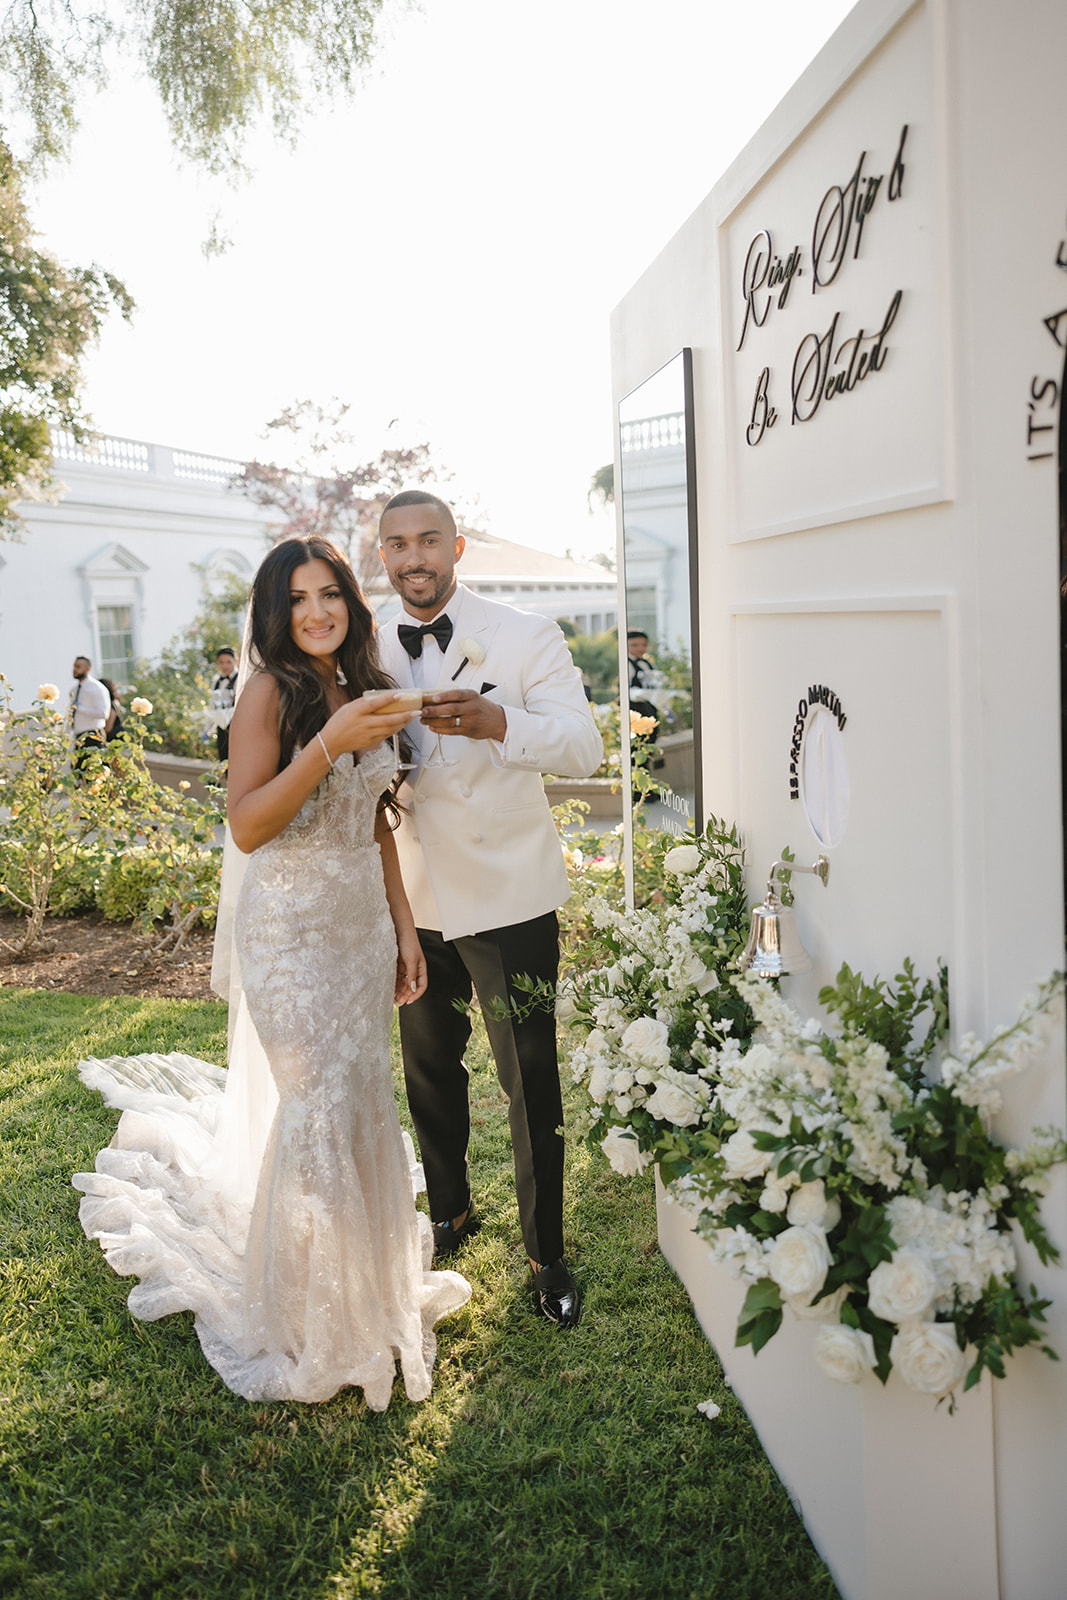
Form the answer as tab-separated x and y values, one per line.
68	837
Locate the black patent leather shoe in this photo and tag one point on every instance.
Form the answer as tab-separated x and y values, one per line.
446	1238
556	1295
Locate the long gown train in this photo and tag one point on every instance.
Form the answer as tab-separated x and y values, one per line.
323	1279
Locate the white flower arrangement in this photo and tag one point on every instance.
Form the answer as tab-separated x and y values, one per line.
837	1173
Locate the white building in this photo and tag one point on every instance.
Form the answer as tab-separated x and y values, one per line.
107	570
654	500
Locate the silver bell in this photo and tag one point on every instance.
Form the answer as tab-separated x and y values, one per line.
774	948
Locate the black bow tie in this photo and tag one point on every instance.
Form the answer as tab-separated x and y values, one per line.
411	638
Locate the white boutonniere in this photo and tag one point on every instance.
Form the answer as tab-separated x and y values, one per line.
473	656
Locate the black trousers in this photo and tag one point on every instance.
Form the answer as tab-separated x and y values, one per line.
434	1036
84	743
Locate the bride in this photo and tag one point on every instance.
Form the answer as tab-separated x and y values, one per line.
305	1262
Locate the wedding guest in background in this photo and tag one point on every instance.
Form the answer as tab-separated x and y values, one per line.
484	871
90	706
223	697
113	725
641	673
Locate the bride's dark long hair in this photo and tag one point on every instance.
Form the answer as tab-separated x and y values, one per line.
302	706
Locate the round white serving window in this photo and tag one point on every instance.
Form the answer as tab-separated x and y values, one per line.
824	785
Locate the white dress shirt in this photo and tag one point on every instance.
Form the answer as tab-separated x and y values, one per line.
92	706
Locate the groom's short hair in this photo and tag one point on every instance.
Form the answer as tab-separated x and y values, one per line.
419	497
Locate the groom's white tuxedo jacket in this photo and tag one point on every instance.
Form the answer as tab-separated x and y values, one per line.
478	846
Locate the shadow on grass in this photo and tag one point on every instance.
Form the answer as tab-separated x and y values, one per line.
544	1464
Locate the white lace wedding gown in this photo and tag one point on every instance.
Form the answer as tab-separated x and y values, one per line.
324	1280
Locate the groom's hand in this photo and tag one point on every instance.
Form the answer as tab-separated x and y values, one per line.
462	711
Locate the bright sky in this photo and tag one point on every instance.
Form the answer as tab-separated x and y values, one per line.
445	251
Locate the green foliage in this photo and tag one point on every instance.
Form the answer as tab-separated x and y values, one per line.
1003	1321
596	655
760	1316
75	886
675	673
216	68
178	682
889	1017
137	884
539	1466
50	317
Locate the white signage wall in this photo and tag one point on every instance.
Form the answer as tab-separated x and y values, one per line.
876	299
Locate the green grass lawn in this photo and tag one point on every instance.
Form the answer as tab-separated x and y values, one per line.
545	1466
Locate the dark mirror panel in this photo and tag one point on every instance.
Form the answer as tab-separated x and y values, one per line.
658	499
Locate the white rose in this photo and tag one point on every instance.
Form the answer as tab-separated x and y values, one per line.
646	1040
689	968
743	1160
844	1354
624	1153
623	1104
927	1356
809	1204
623	1080
903	1289
600	1081
565	1006
775	1194
141	707
798	1261
828	1309
682	860
47	692
676	1100
595	1041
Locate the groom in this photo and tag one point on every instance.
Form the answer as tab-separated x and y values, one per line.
484	870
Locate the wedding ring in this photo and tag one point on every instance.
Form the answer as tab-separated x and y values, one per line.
457	722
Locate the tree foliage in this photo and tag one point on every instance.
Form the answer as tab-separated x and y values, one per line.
317	493
602	486
217	66
596	655
50	316
63	831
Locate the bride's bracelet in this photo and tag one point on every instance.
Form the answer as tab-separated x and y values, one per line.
325	752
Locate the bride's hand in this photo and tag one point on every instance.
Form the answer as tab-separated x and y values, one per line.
362	723
410	969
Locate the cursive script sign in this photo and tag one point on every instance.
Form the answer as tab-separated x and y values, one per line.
833	362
